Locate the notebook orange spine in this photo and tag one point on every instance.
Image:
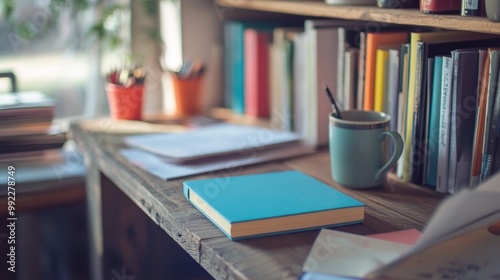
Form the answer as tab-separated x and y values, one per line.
373	41
480	120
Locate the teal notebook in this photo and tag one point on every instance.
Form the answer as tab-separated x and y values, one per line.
271	203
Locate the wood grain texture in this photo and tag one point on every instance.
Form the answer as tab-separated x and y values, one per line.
395	206
374	16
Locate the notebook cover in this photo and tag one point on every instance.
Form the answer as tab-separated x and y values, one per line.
268	195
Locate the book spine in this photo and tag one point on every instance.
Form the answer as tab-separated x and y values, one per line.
466	107
228	70
350	76
403	93
440	6
427	90
434	115
417	149
452	146
444	126
341	49
380	66
237	59
479	127
361	71
369	71
490	125
472	8
393	88
493	159
256	73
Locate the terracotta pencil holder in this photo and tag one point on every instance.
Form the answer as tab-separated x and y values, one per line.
188	97
125	103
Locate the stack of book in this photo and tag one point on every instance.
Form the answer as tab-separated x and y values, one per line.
26	126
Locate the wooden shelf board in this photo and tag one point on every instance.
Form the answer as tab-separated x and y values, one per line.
373	14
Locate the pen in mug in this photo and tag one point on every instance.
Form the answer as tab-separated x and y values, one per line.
334	103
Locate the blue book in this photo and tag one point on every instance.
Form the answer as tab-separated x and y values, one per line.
434	114
271	203
234	53
235	64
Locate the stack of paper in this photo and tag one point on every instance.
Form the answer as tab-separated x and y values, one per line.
210	148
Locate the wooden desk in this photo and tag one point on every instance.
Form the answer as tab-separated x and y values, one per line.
127	205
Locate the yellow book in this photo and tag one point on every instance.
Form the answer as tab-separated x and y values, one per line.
380	78
415	37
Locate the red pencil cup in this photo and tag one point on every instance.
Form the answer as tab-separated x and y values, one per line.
187	93
125	103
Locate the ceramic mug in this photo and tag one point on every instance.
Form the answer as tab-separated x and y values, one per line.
359	152
493	10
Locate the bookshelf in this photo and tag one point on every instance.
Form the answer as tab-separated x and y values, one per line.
367	13
375	18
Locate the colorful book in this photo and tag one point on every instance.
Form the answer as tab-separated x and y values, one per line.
477	147
433	132
463	114
348	41
392	96
234	65
381	65
422	96
490	131
256	78
440	6
271	203
451	36
444	125
373	42
281	82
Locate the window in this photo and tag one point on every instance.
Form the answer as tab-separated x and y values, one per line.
57	55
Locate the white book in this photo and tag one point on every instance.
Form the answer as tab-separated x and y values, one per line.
361	71
322	53
322	57
301	102
350	78
444	125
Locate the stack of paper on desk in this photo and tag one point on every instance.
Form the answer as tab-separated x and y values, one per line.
210	148
460	242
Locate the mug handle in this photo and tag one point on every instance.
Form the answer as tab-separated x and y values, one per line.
398	150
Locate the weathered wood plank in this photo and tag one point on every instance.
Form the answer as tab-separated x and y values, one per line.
374	15
395	206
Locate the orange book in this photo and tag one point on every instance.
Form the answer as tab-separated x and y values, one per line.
477	154
373	41
256	61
